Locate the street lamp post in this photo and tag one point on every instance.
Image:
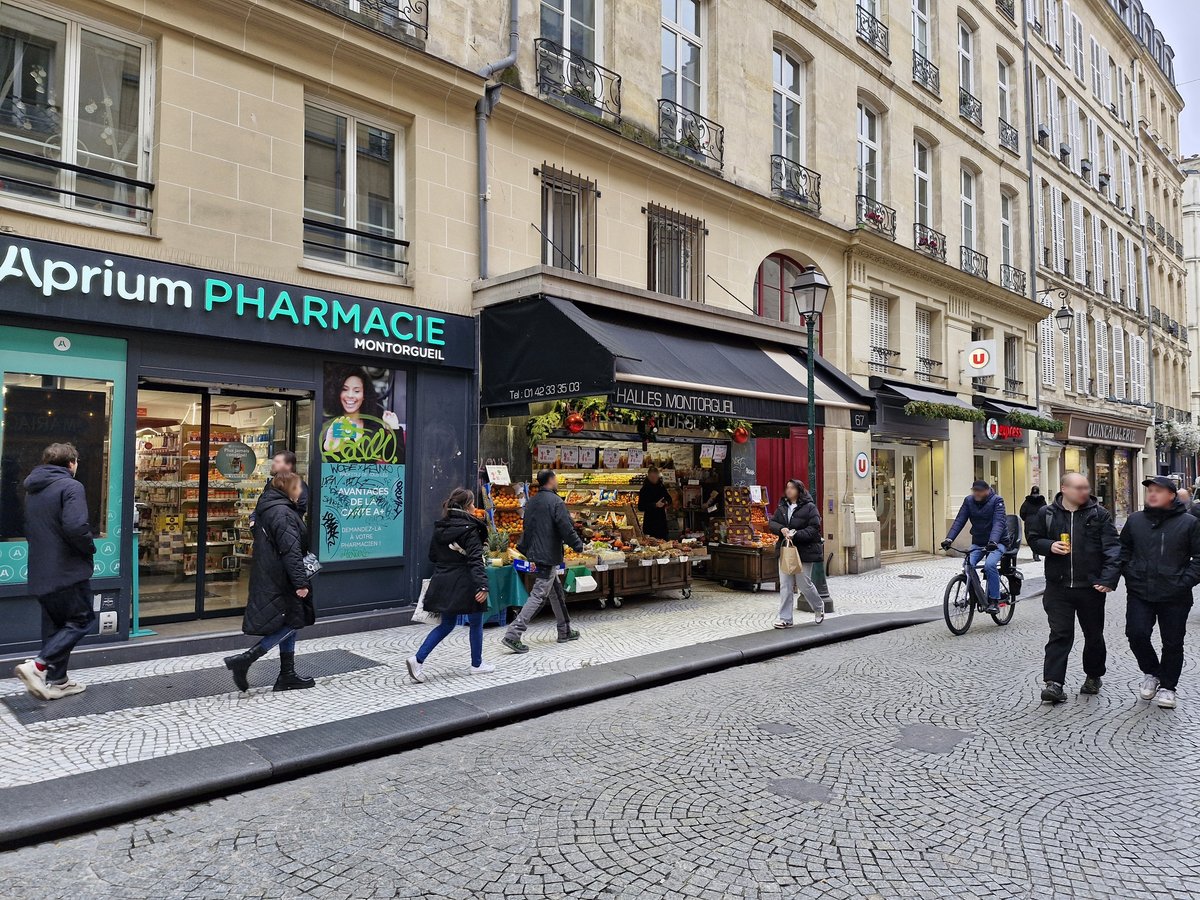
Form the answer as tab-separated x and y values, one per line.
809	294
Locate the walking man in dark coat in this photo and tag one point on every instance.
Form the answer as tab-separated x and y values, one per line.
61	550
1079	572
548	526
1160	559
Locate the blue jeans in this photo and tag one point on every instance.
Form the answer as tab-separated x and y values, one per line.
67	615
991	567
442	631
285	637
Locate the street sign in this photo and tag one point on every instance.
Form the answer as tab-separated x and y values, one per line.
980	359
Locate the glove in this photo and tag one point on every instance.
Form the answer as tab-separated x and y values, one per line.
992	545
946	544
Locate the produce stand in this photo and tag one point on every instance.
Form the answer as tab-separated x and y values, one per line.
743	565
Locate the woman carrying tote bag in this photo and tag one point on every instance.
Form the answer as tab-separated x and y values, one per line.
798	524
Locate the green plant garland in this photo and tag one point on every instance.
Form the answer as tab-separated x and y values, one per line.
1031	422
926	410
541	428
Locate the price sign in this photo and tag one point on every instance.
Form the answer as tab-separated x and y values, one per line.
498	475
720	451
170	524
612	459
547	454
706	452
706	462
570	457
587	457
756	493
637	459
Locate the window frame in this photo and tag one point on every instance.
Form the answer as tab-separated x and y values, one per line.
691	275
923	178
967	55
597	54
555	181
969	203
785	294
681	35
1004	88
784	95
922	19
866	112
1008	228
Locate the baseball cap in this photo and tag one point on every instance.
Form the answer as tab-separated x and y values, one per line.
981	486
1163	482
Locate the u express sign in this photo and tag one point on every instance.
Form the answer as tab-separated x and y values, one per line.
996	432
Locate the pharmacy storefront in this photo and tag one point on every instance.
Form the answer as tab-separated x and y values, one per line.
178	385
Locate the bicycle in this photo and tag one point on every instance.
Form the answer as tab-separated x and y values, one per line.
965	593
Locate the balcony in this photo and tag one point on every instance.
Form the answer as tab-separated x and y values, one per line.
406	20
1014	388
881	360
925	370
1161	233
577	81
690	134
795	184
926	74
1013	279
355	247
973	262
1008	8
874	215
1009	138
1150	225
970	107
983	384
872	32
931	243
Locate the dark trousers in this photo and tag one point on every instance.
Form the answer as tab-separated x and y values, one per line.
1063	606
67	616
1171	616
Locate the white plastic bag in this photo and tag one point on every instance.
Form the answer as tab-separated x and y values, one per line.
419	615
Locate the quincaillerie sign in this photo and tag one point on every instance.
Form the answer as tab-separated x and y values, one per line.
1100	431
47	279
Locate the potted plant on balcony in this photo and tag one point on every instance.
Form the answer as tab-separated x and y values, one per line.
581	95
874	218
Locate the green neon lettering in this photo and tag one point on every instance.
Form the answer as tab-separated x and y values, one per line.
434	331
376	322
258	301
283	307
211	294
343	316
311	314
396	318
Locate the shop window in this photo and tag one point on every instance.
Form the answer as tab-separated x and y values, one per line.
353	209
676	253
568	221
773	288
74	115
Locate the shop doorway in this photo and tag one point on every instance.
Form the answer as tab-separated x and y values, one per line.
202	460
895	493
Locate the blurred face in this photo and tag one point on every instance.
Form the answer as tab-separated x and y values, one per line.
1076	489
1158	497
352	394
552	484
1184	496
980	494
791	492
652	477
294	493
73	465
279	465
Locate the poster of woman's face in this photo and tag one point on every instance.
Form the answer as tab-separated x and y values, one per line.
364	411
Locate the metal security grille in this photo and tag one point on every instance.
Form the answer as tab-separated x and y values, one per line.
568	220
675	253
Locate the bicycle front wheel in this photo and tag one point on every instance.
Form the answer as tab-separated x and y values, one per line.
957	605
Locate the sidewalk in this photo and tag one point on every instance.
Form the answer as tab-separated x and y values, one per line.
169	709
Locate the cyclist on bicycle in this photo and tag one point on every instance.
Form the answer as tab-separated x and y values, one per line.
984	509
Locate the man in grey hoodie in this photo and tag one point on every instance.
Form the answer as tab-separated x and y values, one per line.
61	550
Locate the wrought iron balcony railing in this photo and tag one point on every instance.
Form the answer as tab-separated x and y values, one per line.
925	367
926	74
1013	387
931	243
354	246
881	360
970	107
577	81
74	186
1008	8
691	134
872	32
1012	279
877	216
973	262
795	184
1150	224
400	18
1161	232
1009	138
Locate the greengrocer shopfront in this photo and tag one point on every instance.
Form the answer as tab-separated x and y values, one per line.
178	385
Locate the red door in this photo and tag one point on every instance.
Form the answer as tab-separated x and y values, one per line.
779	459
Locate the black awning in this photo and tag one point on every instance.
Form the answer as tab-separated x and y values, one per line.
908	392
1003	407
550	349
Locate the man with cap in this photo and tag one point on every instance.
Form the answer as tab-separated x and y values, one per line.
1160	559
984	509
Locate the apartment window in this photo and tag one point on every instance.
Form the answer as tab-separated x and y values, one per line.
881	352
1102	361
789	106
922	183
967	202
1007	228
966	57
1083	366
568	221
1004	89
1012	364
920	16
573	24
676	253
682	52
1077	47
869	176
926	364
74	115
773	288
1118	359
353	213
1047	339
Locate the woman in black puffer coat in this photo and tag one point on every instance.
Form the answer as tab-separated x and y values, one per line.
459	586
280	601
798	520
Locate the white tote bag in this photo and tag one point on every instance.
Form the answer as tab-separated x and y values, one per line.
419	615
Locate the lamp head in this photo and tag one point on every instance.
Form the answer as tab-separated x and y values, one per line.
810	292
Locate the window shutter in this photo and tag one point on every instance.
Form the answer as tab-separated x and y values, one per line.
1055	118
1102	386
1078	245
1068	380
1132	273
1105	61
1073	134
1097	255
1114	277
1093	155
879	323
1096	78
1059	227
924	334
1046	331
1068	35
1041	233
1083	368
1030	11
1118	356
1126	180
1121	94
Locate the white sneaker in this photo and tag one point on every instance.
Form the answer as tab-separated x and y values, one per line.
33	678
1149	688
819	618
415	670
1166	699
66	689
483	669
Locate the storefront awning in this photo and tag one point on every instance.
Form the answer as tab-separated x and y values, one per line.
923	395
546	348
1003	408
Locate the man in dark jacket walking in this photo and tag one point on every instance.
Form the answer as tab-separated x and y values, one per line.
548	526
984	509
1034	502
61	550
1160	559
1079	572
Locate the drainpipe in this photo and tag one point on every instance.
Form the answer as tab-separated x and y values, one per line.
483	112
1134	72
1032	197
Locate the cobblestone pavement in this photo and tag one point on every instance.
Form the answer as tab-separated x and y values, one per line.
910	764
90	742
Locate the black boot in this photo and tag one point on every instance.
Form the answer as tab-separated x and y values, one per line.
288	680
240	666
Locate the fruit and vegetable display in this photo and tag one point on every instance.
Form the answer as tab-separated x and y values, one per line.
504	496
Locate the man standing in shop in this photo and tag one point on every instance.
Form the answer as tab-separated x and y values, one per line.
281	463
61	550
1079	572
548	526
1160	559
984	510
